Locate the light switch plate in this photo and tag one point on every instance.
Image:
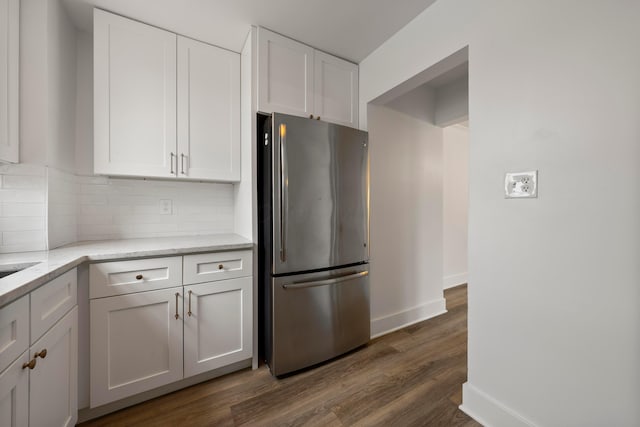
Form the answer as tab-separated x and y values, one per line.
519	185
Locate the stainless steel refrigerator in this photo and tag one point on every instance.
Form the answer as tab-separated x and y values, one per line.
313	246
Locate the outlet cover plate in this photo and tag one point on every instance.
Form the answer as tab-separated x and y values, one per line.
166	206
520	185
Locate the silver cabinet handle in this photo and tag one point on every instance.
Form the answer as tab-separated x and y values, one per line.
172	156
189	312
177	313
298	285
182	156
284	188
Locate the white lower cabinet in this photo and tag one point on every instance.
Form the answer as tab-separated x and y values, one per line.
140	341
136	343
53	382
40	387
14	393
217	324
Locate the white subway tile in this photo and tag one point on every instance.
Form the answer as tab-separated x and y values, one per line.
19	223
23	209
23	237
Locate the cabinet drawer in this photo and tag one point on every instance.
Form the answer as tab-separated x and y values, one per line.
50	302
14	330
217	266
126	277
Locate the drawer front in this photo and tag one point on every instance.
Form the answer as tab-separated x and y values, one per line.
14	331
50	302
126	277
217	266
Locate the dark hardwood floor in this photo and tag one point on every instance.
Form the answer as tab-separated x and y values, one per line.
412	377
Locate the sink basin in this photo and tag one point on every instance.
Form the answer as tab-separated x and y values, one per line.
5	271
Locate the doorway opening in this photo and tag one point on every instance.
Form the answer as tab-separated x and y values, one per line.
419	134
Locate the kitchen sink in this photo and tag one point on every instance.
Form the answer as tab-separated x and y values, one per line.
6	271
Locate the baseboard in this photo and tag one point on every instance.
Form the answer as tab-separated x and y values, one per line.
488	411
454	280
393	322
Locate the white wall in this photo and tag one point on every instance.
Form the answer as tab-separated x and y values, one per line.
455	204
47	83
84	104
61	69
452	102
554	319
406	219
33	82
245	191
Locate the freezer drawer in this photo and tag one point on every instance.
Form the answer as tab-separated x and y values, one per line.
318	316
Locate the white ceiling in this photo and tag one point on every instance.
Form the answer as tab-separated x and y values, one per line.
351	29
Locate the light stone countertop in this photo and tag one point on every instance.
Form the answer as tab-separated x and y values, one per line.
53	263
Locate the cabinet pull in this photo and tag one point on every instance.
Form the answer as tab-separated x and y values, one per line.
139	277
172	156
30	365
42	353
189	312
311	116
318	118
182	156
177	315
220	267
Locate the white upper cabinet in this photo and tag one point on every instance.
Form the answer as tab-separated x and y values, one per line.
134	97
164	105
336	86
9	76
208	112
294	78
285	75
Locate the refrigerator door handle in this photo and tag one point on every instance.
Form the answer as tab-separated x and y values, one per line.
284	197
326	281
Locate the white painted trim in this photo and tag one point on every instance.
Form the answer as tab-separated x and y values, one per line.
454	280
488	411
393	322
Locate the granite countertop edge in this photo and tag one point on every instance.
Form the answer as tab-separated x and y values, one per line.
43	266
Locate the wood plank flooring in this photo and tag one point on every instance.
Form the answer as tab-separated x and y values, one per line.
412	377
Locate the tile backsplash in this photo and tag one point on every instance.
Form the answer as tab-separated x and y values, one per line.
114	208
23	195
42	208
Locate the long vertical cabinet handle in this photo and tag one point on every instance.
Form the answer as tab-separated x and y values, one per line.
284	187
177	313
182	156
172	156
189	312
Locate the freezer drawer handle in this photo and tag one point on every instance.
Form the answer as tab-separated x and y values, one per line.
326	281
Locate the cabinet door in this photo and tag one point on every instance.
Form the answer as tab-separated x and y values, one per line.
51	301
285	75
208	112
217	324
14	330
336	90
134	98
9	86
53	383
14	394
136	343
